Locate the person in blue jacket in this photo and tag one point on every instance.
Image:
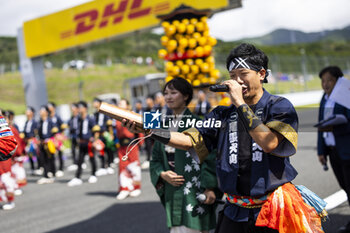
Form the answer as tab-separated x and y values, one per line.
57	122
85	135
44	132
254	138
30	132
333	141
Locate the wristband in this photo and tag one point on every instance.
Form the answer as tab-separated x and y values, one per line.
246	114
162	135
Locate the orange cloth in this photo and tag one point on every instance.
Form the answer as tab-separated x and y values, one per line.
286	211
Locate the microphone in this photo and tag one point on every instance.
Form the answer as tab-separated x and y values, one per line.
202	197
219	88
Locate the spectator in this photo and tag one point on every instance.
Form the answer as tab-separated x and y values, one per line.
178	178
333	140
203	106
73	125
129	169
86	123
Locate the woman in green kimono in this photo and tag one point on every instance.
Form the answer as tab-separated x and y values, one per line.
178	178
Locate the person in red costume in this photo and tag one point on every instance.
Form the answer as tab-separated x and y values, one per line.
8	146
17	170
129	170
96	148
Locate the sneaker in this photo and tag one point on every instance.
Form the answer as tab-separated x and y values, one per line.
75	182
101	172
145	165
50	174
116	160
45	180
18	192
135	193
110	170
8	206
92	179
122	195
84	166
72	167
59	173
39	172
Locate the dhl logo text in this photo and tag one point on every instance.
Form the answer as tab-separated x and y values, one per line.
113	13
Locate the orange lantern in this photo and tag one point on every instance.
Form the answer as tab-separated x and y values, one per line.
162	53
200	26
198	62
196	83
204	67
189	62
202	41
193	21
181	28
199	51
194	69
164	40
168	78
192	43
185	69
183	42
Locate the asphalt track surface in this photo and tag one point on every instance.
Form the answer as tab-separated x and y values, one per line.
93	207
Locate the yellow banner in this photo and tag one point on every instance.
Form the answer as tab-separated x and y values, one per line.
97	20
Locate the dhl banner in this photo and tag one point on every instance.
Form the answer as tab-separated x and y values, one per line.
100	19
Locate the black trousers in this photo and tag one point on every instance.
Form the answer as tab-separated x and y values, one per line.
341	169
60	159
103	161
110	156
148	146
226	225
41	155
48	161
74	145
31	161
83	150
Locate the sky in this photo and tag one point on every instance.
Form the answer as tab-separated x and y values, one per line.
255	18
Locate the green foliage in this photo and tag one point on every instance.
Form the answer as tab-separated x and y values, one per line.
120	50
8	50
62	86
335	44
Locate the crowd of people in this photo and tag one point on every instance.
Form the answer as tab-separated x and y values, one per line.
42	143
245	158
257	135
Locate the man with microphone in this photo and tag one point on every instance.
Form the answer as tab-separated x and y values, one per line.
258	133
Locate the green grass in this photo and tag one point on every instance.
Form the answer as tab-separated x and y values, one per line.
62	86
293	86
307	107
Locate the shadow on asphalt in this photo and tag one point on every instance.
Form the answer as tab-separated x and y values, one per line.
149	217
314	148
146	217
65	181
106	194
334	222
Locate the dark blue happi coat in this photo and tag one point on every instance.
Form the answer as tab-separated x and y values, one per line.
268	170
